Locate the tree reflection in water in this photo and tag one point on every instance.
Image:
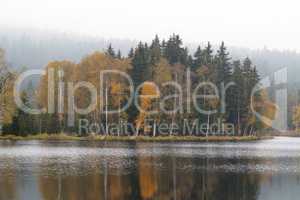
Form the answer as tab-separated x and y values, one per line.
139	171
163	178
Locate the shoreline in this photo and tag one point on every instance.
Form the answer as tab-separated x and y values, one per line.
64	137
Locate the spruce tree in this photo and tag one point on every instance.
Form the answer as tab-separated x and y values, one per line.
190	62
198	58
131	53
250	79
155	50
207	55
141	63
173	50
223	66
236	102
140	72
184	57
119	55
110	51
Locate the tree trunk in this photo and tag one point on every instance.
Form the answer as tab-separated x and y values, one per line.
208	123
154	129
1	121
106	109
119	116
239	123
251	130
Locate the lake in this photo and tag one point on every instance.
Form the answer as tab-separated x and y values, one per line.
263	170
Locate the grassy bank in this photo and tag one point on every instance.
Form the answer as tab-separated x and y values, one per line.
290	133
136	138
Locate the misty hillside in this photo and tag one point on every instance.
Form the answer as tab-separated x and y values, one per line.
34	49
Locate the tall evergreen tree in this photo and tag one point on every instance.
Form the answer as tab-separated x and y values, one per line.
141	63
184	57
140	72
155	50
173	50
22	124
131	53
250	79
236	102
190	61
207	55
223	66
198	58
119	55
110	51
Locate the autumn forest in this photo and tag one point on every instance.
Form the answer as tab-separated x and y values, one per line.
149	65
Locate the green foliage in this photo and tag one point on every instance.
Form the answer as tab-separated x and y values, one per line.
173	50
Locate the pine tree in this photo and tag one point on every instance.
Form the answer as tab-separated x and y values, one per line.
236	101
223	65
131	53
119	55
155	50
207	57
23	122
110	51
184	57
198	62
250	79
173	50
140	64
140	72
190	61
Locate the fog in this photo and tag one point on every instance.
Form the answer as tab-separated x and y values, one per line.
249	23
34	49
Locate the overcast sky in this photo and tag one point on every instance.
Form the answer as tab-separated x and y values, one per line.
247	23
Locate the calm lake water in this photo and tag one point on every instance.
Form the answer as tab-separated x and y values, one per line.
261	170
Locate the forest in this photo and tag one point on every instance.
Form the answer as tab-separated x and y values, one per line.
156	63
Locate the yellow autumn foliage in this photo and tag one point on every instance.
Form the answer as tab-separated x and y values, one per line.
296	117
148	94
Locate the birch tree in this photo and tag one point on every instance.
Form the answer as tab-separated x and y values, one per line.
6	79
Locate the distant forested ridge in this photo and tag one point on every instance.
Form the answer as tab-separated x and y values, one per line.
34	49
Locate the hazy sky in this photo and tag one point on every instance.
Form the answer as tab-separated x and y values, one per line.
249	23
